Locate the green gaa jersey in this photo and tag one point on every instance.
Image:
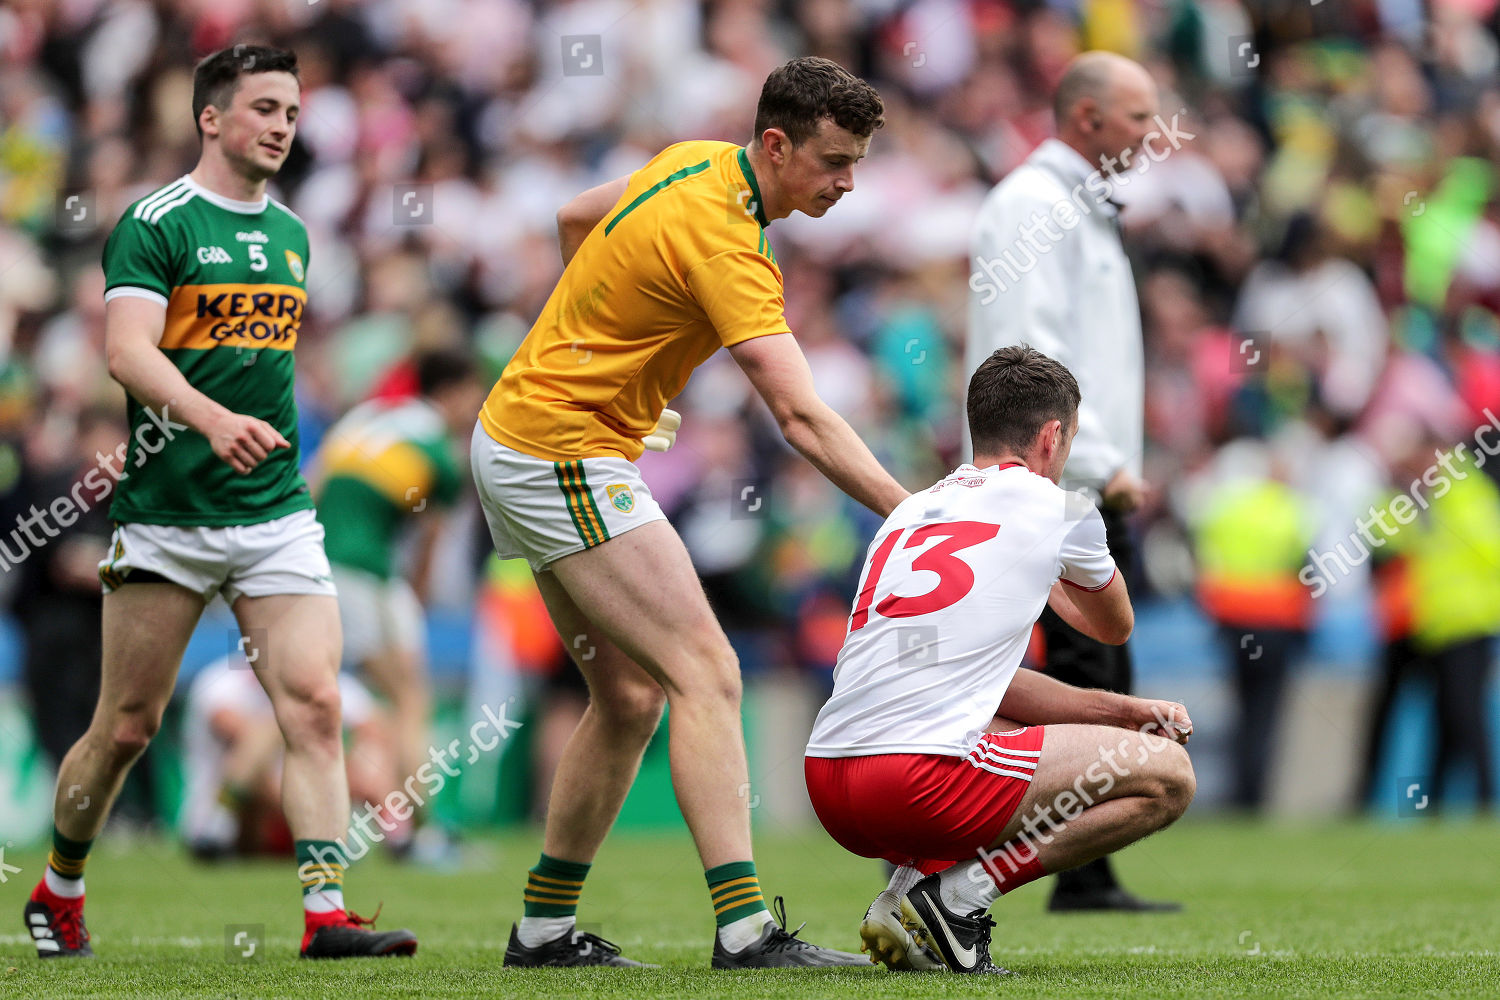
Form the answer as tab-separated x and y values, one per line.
231	276
383	461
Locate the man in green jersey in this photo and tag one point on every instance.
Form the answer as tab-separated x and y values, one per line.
384	462
205	289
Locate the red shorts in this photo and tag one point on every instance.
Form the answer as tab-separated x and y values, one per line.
909	808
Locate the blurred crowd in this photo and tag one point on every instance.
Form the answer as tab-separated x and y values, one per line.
1319	265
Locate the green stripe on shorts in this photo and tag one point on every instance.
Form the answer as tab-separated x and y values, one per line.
588	496
561	468
565	481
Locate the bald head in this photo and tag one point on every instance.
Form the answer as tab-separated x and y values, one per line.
1104	104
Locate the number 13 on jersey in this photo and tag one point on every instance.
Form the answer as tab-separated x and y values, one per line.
955	577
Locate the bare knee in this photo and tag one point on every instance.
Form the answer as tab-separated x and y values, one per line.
129	732
310	713
632	710
1175	783
707	673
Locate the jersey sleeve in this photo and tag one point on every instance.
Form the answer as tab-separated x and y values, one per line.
1085	560
137	260
741	292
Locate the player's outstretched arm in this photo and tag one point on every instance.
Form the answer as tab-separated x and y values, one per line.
1104	615
776	367
132	332
577	218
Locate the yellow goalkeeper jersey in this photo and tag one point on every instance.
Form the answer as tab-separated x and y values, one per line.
678	268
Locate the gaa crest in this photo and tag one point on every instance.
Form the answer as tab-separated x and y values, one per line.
621	496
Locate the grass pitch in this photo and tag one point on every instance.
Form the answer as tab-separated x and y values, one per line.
1396	908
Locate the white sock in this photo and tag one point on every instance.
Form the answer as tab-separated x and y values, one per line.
966	888
323	901
537	931
903	879
67	888
742	933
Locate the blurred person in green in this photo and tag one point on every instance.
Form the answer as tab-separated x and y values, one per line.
1251	541
386	461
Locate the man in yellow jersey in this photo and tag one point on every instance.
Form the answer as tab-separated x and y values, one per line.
664	267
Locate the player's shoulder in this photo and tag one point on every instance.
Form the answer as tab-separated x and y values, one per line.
151	210
284	212
712	205
1006	487
410	416
688	154
418	418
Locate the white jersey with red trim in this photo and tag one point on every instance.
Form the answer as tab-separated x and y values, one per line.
952	584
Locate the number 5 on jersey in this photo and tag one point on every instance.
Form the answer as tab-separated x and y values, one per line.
955	577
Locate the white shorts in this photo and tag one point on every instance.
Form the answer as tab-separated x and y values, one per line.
541	510
377	614
280	556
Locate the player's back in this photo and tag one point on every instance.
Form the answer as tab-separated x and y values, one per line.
952	585
678	268
383	461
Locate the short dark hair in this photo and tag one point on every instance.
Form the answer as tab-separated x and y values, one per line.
801	93
442	367
1013	393
218	76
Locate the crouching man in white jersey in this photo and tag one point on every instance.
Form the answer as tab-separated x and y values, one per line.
935	752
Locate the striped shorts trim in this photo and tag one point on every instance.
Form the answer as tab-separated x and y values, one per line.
542	510
574	482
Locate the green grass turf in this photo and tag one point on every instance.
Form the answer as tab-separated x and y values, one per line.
1399	908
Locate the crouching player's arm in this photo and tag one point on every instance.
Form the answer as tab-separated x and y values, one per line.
1034	699
1105	615
778	370
133	330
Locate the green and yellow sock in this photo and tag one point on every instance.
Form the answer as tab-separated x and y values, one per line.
735	892
553	887
320	866
64	872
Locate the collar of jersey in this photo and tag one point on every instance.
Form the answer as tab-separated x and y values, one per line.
760	206
229	204
996	468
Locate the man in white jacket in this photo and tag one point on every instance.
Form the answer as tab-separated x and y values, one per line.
1049	270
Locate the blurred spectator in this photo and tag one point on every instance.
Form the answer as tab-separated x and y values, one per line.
58	601
1251	542
1447	518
